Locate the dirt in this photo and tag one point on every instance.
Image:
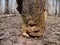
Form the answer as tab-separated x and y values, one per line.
10	33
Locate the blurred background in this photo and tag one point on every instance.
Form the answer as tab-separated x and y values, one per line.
53	7
9	6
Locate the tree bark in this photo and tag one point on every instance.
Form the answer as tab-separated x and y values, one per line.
33	16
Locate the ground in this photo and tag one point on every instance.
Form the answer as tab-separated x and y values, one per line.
10	33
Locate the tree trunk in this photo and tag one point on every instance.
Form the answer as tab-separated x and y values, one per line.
56	8
33	17
59	9
2	6
6	6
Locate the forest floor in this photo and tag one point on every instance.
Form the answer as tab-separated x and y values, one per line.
10	33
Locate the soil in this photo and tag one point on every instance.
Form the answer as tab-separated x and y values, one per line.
10	32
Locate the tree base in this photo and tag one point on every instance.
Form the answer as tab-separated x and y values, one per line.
34	31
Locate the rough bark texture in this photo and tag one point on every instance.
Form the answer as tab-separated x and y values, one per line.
33	15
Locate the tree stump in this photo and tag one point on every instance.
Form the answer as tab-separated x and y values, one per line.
33	17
